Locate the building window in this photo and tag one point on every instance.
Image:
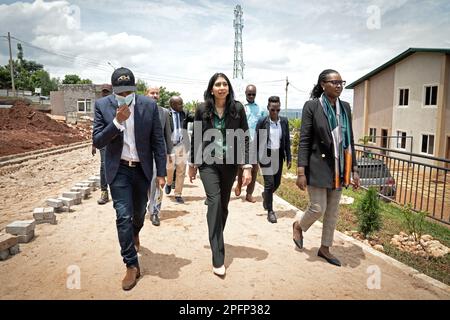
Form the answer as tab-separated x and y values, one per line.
403	97
401	140
428	143
373	135
431	95
84	105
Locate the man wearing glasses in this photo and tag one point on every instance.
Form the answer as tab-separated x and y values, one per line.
274	146
253	113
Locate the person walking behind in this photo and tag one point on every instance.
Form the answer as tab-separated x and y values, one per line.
104	197
253	112
178	159
326	159
128	125
155	193
273	139
221	116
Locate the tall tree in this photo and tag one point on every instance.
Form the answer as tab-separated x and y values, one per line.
141	86
71	79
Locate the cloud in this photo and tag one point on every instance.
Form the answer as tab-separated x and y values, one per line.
181	43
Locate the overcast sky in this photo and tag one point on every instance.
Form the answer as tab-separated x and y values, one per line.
180	44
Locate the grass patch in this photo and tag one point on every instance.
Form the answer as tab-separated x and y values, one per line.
392	223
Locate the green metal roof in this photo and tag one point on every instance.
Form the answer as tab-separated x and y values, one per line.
393	61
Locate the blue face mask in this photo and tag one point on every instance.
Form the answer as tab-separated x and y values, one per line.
125	100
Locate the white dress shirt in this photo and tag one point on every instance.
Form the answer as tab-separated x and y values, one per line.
275	134
129	151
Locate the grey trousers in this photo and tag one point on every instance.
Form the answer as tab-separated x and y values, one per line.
322	201
154	194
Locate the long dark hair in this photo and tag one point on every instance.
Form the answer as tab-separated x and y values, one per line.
230	104
317	90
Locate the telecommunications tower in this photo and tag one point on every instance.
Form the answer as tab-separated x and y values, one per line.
238	22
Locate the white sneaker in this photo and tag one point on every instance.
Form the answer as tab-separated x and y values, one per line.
219	271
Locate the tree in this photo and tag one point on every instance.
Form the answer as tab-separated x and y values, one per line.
41	79
71	79
191	106
295	125
165	95
368	212
141	87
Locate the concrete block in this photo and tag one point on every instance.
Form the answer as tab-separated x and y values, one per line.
49	213
55	203
72	195
38	213
49	220
84	185
7	241
14	250
96	181
21	228
85	191
4	254
68	202
43	213
26	238
91	184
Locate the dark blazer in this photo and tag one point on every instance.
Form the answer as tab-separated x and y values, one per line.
206	121
147	130
285	143
165	123
315	150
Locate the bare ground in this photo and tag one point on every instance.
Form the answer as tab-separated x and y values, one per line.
261	259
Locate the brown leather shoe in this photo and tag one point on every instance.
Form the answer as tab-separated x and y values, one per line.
237	190
129	281
137	244
250	198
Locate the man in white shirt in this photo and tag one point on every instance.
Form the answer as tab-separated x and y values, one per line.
128	125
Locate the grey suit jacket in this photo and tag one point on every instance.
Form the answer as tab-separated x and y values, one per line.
164	117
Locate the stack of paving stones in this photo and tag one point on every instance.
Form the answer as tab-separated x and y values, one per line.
24	230
9	246
44	215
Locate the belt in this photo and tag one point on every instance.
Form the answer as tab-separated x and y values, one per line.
131	164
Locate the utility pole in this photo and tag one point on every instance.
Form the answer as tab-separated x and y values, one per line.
285	106
11	67
238	23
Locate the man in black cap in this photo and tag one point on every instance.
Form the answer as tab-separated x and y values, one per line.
128	124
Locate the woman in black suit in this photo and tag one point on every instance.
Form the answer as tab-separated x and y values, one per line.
217	149
326	159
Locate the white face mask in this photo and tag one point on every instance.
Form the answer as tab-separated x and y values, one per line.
125	100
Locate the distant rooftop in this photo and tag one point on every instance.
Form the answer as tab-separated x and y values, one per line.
393	61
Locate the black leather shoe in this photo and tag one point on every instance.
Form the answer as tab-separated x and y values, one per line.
264	201
155	220
168	189
333	261
272	217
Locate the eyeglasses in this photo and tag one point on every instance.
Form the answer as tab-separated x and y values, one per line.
337	82
275	110
251	94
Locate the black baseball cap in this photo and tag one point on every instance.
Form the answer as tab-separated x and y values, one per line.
122	80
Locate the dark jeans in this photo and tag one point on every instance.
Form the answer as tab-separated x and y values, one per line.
251	185
103	184
271	184
129	193
217	180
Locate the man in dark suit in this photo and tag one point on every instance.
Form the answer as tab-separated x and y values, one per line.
273	141
155	192
128	125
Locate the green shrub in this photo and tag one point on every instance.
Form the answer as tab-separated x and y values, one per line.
368	212
414	222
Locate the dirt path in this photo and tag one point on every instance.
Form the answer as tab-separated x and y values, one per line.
175	258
